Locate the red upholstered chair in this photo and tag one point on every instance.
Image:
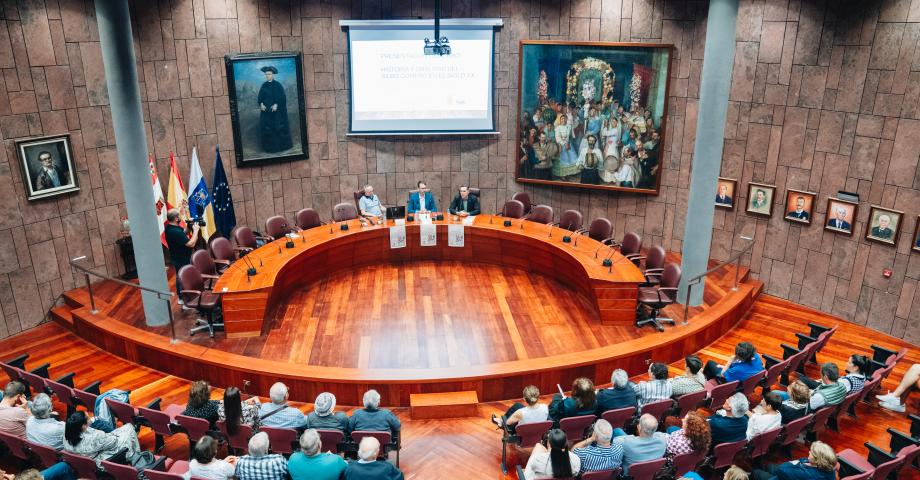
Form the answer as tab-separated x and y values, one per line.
524	436
513	209
602	474
631	247
193	427
860	476
308	218
659	296
246	240
773	373
36	382
657	409
239	441
84	467
387	444
202	260
196	296
344	211
792	430
524	198
848	402
883	462
654	264
646	470
122	411
686	462
15	445
619	417
222	253
570	220
690	402
751	383
277	227
821	416
601	230
720	393
760	444
541	214
282	440
724	453
331	439
160	421
474	192
574	427
45	455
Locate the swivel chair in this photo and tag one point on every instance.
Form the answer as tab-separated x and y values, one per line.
659	296
513	209
196	296
308	218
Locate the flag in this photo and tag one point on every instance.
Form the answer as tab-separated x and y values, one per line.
221	198
158	200
199	200
175	193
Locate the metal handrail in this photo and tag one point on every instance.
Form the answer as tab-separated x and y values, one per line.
92	301
736	259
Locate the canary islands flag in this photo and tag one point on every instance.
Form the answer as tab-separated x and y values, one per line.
199	200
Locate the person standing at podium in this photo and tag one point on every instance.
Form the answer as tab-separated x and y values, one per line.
421	201
369	204
464	204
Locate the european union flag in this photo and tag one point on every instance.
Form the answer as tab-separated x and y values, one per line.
223	201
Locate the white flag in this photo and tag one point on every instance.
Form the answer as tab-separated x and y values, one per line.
455	235
429	234
398	236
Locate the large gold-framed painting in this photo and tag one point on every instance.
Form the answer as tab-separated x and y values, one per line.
592	114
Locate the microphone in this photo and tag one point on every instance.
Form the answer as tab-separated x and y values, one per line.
332	223
252	268
551	225
522	222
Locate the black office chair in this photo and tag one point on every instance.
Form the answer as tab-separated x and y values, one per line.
659	296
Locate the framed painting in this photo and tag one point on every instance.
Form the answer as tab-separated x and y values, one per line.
592	114
841	216
884	225
47	166
725	193
760	199
267	107
800	206
915	240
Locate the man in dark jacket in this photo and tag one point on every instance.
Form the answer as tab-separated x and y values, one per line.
367	467
620	395
273	117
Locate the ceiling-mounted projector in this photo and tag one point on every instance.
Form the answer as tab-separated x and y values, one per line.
440	46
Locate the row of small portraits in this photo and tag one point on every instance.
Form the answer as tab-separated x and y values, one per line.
884	224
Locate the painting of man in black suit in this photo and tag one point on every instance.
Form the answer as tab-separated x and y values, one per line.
49	175
47	166
275	133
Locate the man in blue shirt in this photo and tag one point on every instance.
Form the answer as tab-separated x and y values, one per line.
370	205
286	417
730	424
744	364
421	201
311	464
648	445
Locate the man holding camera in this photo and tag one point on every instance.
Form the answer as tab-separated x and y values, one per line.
180	245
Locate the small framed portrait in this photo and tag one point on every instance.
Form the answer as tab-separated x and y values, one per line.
799	206
841	216
760	199
725	193
915	242
47	166
267	107
883	225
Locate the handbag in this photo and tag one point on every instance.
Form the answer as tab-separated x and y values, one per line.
142	461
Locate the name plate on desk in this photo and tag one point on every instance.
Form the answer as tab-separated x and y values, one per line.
456	235
424	218
429	234
398	236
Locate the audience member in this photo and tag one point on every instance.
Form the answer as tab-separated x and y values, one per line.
519	414
200	404
829	392
324	416
854	379
796	406
367	467
234	411
597	452
766	416
84	440
58	471
656	388
820	465
892	400
311	464
40	427
649	444
14	409
552	458
582	402
278	413
372	417
694	437
745	363
692	380
204	463
735	473
259	464
621	394
730	424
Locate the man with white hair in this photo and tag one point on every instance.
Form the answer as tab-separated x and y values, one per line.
367	467
369	205
883	229
278	413
40	427
730	424
621	393
840	219
311	464
259	465
372	417
597	452
648	445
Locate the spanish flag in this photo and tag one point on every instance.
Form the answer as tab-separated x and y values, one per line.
175	192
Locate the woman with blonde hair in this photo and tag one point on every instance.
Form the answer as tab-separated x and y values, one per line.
520	414
797	405
820	465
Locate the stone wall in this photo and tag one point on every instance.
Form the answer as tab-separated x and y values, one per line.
819	101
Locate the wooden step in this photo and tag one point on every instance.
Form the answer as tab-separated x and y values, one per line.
63	316
79	297
444	405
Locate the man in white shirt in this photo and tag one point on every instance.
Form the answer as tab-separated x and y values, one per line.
369	204
41	428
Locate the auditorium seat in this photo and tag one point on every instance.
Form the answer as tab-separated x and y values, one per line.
14	445
647	470
541	214
690	402
308	218
127	472
160	421
792	430
513	209
84	467
719	393
772	375
194	428
344	211
388	443
239	441
654	264
723	454
610	474
202	261
330	439
657	409
884	463
760	444
570	220
524	198
574	427
842	409
121	411
277	227
751	383
282	440
686	462
45	455
194	295
656	297
619	417
524	436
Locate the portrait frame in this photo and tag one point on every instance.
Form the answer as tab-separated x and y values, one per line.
809	207
915	240
873	235
769	193
258	136
644	81
851	207
732	195
34	180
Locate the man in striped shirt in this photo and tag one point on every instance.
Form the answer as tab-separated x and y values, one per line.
657	388
596	452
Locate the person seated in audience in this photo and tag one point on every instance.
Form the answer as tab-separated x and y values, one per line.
58	471
324	416
656	388
597	452
745	363
766	416
621	394
520	414
692	380
421	201
278	413
796	406
582	402
821	464
367	467
853	381
552	458
200	404
310	463
734	472
730	423
14	409
259	464
372	417
649	444
911	380
829	392
204	463
235	411
464	204
84	440
694	436
41	428
369	205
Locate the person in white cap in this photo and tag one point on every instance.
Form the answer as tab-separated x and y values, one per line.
324	416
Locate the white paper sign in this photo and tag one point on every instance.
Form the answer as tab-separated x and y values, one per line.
424	218
398	236
469	220
455	235
429	234
400	221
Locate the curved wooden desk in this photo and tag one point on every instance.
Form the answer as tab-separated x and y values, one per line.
249	300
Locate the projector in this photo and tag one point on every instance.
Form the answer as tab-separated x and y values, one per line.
437	47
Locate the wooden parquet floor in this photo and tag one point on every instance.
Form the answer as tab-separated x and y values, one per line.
471	448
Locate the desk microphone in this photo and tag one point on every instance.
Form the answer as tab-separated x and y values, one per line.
522	222
332	223
551	225
252	268
611	264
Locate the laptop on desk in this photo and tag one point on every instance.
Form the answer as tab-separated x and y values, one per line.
396	212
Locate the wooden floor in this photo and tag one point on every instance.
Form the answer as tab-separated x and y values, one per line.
471	448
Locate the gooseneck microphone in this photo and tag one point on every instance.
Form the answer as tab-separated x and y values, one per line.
252	268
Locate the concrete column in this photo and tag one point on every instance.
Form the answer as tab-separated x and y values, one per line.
715	84
114	22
